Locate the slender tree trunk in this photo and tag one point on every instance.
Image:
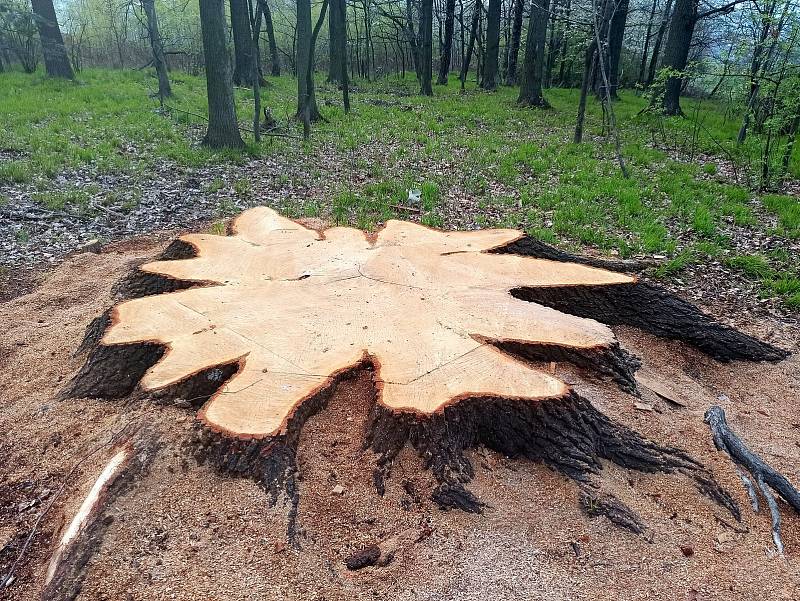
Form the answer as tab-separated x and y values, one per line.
426	50
274	55
243	53
157	47
563	45
616	34
340	48
646	49
336	29
447	44
551	46
767	23
416	51
588	69
662	29
473	33
492	45
56	61
256	75
676	52
530	93
516	35
223	128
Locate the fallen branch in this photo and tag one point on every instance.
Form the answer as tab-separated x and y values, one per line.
765	476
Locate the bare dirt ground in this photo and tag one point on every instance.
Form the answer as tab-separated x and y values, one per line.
183	531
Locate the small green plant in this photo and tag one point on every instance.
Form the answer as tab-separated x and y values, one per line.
218	228
22	236
242	188
710	168
215	185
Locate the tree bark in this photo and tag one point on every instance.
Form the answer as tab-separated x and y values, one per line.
243	52
56	61
530	93
616	34
223	128
492	55
516	36
676	53
426	48
447	43
157	47
551	46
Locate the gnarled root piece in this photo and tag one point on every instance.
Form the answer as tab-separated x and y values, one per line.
567	434
765	477
596	504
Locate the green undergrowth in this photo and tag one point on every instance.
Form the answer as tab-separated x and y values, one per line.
476	159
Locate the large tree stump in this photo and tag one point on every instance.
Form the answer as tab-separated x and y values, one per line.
256	328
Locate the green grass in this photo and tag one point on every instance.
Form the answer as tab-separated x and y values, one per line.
515	167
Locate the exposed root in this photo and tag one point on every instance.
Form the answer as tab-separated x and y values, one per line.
656	311
766	477
616	511
567	434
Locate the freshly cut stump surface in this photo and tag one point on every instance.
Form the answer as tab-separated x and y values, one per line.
256	328
294	307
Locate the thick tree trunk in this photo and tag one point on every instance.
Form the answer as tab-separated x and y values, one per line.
516	36
676	53
473	34
306	98
157	47
56	61
447	43
662	29
243	52
426	48
274	55
223	128
530	93
616	34
492	55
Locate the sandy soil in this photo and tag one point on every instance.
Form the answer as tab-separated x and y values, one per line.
182	531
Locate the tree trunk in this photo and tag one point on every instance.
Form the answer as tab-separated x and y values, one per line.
492	54
157	47
306	98
336	29
447	44
551	46
473	34
244	55
676	53
273	46
426	48
616	34
662	29
56	61
588	69
223	128
646	49
530	93
340	48
516	35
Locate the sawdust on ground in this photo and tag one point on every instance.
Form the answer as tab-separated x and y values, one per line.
184	531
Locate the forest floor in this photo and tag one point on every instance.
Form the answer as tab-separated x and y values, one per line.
99	160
